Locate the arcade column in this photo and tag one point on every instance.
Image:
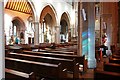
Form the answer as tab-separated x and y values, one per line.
91	35
36	33
80	22
57	34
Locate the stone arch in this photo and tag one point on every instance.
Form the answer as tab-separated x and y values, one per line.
48	18
66	17
65	27
48	9
20	26
33	9
20	20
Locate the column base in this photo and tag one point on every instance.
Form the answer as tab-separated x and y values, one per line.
91	63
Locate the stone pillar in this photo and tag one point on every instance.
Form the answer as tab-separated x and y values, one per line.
91	35
76	19
2	41
79	50
36	33
40	33
57	34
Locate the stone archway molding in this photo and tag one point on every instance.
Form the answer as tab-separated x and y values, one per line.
49	9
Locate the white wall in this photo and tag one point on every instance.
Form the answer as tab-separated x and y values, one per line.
8	17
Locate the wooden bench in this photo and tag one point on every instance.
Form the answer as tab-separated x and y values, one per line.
69	65
49	45
17	75
112	67
28	47
114	60
79	59
40	69
13	48
57	52
105	75
44	45
116	56
25	47
7	51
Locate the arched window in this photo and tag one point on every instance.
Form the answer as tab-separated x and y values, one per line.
13	29
30	23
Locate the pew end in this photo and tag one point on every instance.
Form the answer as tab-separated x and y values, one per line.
107	75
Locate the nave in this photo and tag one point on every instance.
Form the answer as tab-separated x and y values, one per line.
57	40
47	56
70	66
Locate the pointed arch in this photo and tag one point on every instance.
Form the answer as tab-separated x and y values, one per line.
65	27
48	9
33	9
21	21
65	16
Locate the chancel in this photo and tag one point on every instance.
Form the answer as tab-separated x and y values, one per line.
59	39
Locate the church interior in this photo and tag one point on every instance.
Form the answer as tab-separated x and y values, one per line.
60	40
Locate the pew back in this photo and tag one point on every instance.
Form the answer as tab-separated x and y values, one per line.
68	64
112	67
40	69
100	75
114	60
79	59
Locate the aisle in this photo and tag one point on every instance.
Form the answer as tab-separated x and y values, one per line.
89	75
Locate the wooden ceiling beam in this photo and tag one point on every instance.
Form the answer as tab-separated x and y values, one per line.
19	5
16	4
11	3
25	6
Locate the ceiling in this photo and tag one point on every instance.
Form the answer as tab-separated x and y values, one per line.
19	5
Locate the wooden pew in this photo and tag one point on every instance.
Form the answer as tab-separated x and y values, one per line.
79	59
105	75
116	56
7	51
114	60
113	49
57	52
25	47
44	45
112	67
54	46
69	65
44	70
28	47
13	48
17	75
